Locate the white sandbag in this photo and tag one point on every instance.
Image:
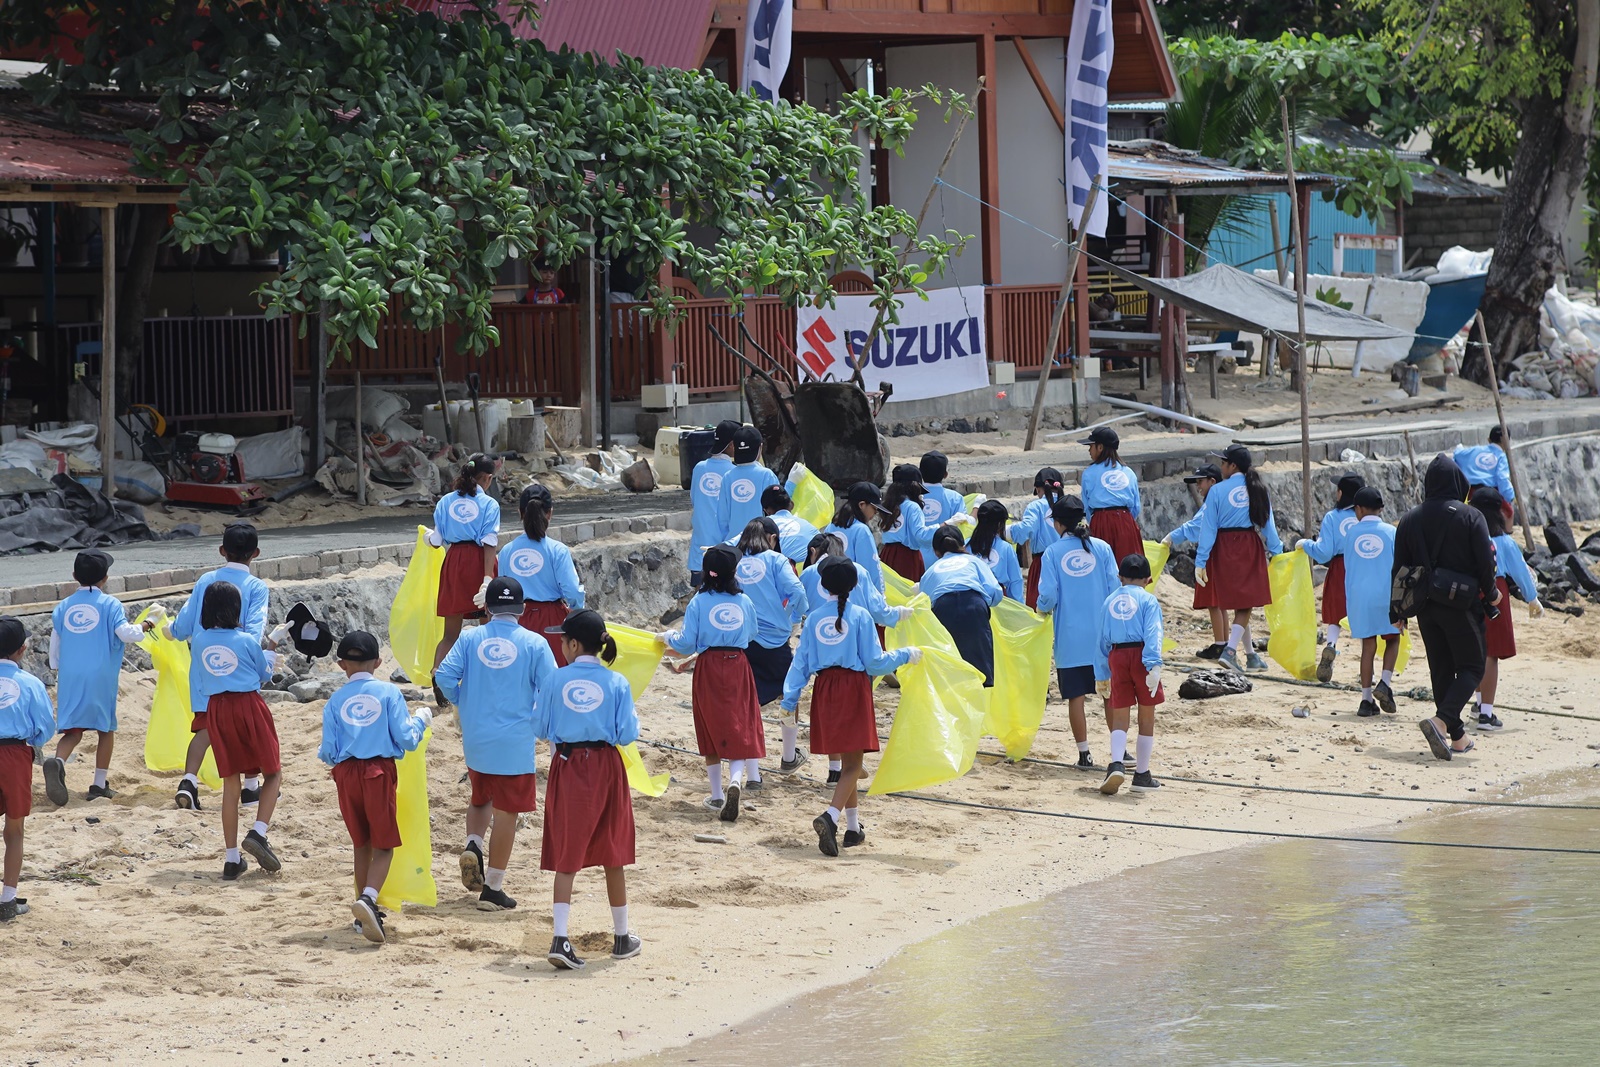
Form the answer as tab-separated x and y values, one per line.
1456	261
1575	323
273	455
398	429
378	406
76	441
140	482
26	455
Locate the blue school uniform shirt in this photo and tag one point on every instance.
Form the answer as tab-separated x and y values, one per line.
705	502
1035	527
769	581
864	595
225	661
1187	534
740	502
1002	560
25	711
1227	507
475	519
1368	567
1486	465
586	701
1129	614
794	534
543	568
253	597
1108	486
956	571
715	620
88	658
1071	581
912	530
938	504
1333	537
493	674
367	719
823	645
860	547
1510	565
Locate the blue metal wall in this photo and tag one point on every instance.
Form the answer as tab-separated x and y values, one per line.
1248	245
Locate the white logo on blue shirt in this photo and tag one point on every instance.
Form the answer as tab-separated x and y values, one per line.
81	618
527	562
727	617
582	696
497	653
362	709
751	569
932	509
743	491
1485	461
1076	563
827	630
10	692
1368	546
1123	607
1345	524
1116	479
464	509
711	483
218	661
1239	496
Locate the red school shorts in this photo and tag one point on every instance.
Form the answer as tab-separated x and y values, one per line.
244	739
1127	680
367	801
16	781
588	812
515	793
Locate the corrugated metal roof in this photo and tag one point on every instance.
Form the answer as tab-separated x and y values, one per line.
34	153
1158	165
662	33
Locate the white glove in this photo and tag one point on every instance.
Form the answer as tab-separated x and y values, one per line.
480	598
157	615
666	636
1535	609
915	655
1201	576
961	518
434	539
1152	681
1103	690
1167	540
426	715
279	634
905	611
1300	545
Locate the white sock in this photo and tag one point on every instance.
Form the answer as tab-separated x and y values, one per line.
1235	635
560	913
619	920
1366	692
1119	745
8	894
100	777
714	772
1334	633
474	839
791	735
836	765
192	780
833	813
494	877
1485	709
752	770
253	782
1083	746
1388	676
1142	746
852	819
1476	697
260	828
231	855
371	893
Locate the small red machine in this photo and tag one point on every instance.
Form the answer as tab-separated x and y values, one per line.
207	471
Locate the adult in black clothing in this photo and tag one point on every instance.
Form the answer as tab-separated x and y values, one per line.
1444	531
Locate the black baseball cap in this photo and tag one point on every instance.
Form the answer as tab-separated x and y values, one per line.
1350	478
535	493
865	493
1204	471
302	622
239	539
1238	455
1102	435
91	566
13	635
1068	511
934	466
1134	565
586	627
504	594
746	444
907	473
358	646
1368	497
838	575
722	436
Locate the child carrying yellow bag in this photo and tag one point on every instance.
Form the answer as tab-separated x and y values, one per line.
166	739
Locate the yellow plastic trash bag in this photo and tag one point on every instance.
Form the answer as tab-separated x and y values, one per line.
639	653
1023	643
897	591
640	779
415	629
410	878
1402	660
166	740
1292	615
923	629
813	500
1158	554
935	733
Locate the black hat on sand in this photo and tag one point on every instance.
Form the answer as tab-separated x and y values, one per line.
358	646
586	627
1102	435
503	595
1368	497
311	638
91	566
12	635
1134	566
1204	471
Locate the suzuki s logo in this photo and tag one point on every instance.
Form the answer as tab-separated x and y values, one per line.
497	653
751	569
828	632
464	509
710	483
1077	563
10	692
526	562
1239	496
82	618
727	617
1116	480
1486	461
932	510
1123	607
815	355
1345	524
363	709
582	696
218	661
743	491
1369	546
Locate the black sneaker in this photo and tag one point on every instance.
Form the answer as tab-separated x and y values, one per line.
786	766
368	920
249	796
730	805
833	776
1489	721
494	900
753	785
472	866
9	910
1144	782
55	780
257	846
232	871
625	947
1212	651
438	697
1384	696
99	792
1085	760
1368	709
1325	665
561	955
188	796
1116	774
827	834
852	838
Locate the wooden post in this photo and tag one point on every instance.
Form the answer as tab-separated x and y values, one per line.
1300	267
1505	436
989	162
1073	254
1269	346
361	450
108	351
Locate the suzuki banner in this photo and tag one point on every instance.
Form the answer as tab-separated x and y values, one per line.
937	348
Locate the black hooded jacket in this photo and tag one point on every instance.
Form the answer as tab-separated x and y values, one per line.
1444	531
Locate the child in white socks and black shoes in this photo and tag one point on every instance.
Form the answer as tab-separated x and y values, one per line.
1128	671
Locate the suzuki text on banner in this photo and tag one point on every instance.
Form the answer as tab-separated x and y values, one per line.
938	347
1089	52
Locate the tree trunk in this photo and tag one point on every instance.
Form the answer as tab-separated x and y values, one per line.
1545	185
133	296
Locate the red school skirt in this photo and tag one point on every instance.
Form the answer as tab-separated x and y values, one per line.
1238	570
727	717
460	577
539	614
1127	678
1333	602
1032	592
1205	596
16	781
904	561
588	812
1499	636
244	739
1117	528
366	789
842	716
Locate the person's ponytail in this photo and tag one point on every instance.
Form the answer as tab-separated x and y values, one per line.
535	522
466	482
1260	502
608	649
844	602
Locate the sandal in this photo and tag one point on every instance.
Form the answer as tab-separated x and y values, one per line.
1436	739
1463	751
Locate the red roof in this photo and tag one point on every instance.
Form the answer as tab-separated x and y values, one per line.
33	152
662	33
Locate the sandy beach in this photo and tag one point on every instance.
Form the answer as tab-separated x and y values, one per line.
135	952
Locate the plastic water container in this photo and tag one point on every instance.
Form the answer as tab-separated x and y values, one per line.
678	449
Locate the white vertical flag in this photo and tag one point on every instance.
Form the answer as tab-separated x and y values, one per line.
1089	51
769	29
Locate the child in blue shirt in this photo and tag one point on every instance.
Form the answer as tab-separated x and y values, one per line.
1368	551
88	632
1236	538
585	711
1128	671
905	529
743	484
26	723
768	579
366	727
705	496
988	543
467	519
1111	494
850	524
1035	528
1513	578
963	589
941	505
493	673
794	533
543	566
1328	548
1202	479
1078	570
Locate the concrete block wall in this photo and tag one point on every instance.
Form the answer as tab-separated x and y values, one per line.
1434	224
